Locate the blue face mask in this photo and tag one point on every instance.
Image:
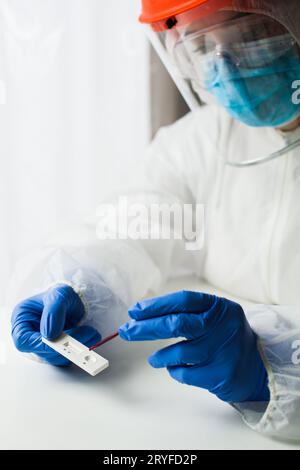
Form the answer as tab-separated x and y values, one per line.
259	97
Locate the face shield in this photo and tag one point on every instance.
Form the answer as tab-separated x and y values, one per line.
242	55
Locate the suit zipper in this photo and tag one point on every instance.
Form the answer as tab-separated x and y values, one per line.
272	260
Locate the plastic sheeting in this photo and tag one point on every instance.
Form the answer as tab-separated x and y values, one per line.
73	113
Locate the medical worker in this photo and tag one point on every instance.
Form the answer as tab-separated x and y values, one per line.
239	155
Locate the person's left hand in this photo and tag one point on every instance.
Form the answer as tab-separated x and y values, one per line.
220	352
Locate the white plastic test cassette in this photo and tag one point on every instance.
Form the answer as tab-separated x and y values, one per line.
79	354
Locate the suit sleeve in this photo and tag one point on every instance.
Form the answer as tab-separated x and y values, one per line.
278	330
171	173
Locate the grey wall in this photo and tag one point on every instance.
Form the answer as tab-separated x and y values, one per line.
167	104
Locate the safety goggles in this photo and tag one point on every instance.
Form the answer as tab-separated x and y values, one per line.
248	42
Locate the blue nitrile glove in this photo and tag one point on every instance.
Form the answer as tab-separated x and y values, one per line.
220	353
49	314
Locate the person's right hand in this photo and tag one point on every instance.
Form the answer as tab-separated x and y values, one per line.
48	315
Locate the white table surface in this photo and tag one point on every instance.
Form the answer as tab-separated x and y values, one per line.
129	406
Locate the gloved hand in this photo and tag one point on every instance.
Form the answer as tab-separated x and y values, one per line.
220	353
49	314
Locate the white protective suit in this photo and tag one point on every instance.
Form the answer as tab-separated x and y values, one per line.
252	247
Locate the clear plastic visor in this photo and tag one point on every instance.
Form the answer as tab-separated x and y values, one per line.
245	62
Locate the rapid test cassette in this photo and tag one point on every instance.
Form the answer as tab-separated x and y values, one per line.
76	352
